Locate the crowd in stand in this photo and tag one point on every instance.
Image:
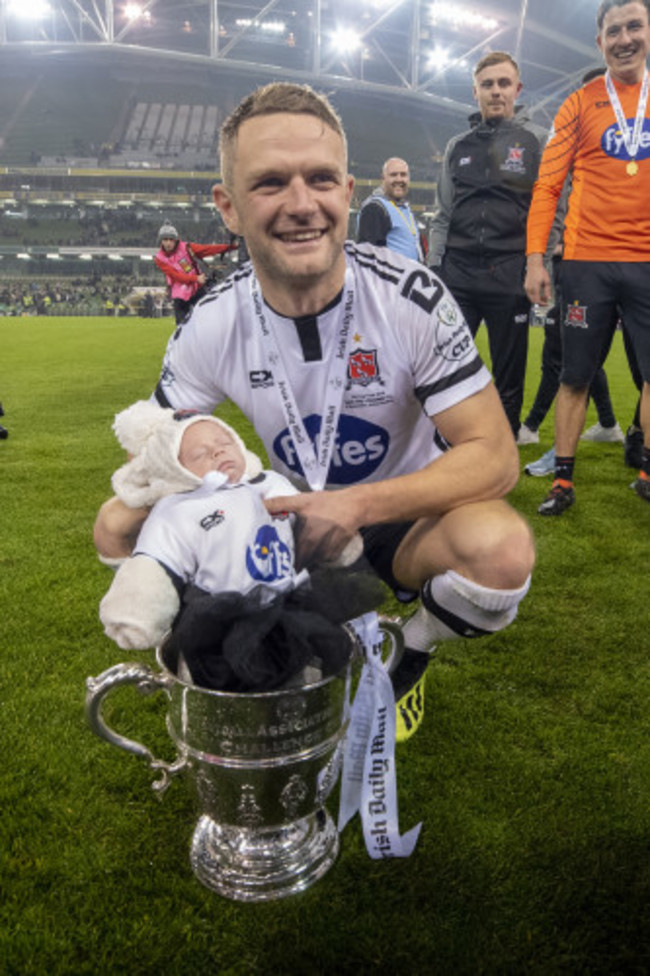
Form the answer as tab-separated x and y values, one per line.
80	227
78	296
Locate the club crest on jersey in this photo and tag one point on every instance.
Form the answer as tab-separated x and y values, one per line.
514	162
260	379
363	367
268	558
613	143
359	448
576	316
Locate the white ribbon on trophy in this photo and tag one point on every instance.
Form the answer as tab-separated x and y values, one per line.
368	781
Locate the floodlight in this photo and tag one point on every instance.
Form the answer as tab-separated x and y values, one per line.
270	26
23	256
29	9
437	59
132	11
53	257
345	39
274	26
460	17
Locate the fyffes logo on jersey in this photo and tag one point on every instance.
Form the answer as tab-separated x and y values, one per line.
613	144
359	449
268	558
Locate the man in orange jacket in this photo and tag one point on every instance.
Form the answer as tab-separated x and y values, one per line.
601	135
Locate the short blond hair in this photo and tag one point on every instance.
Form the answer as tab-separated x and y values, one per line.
279	96
496	57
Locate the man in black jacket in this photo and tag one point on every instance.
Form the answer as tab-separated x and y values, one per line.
478	236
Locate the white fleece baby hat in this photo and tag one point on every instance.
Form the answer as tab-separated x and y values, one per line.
153	435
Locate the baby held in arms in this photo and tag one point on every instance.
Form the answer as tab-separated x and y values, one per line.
212	572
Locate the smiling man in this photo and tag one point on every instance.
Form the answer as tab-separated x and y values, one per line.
478	236
601	136
358	373
385	218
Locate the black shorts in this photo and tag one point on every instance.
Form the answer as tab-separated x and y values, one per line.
380	543
595	294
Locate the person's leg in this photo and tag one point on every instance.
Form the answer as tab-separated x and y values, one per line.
460	280
642	483
633	449
589	298
551	365
181	310
570	412
506	311
607	428
635	309
599	393
632	360
472	567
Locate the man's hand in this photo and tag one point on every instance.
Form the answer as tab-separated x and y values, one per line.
325	524
538	281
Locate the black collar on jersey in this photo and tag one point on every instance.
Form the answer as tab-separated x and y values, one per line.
307	329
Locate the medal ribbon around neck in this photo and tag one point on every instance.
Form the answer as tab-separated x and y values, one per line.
315	463
410	223
631	142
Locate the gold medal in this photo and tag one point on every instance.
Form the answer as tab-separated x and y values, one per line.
632	168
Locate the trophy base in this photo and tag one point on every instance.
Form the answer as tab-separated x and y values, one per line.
262	864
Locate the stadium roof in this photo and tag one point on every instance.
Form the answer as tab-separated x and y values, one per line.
419	50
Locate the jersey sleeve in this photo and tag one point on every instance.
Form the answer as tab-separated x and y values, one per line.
446	365
190	367
166	539
554	167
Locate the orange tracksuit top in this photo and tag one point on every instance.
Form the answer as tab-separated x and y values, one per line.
609	211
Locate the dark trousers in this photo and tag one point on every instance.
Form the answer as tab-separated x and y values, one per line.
492	291
550	379
182	308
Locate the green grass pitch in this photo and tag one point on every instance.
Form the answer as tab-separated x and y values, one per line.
531	773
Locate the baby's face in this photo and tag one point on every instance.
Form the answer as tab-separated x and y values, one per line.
206	447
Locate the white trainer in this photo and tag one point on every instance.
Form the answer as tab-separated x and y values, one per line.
605	435
527	436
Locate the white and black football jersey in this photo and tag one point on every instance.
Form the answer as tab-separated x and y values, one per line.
411	356
223	539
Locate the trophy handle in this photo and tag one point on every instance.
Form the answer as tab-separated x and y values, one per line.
393	641
147	682
391	629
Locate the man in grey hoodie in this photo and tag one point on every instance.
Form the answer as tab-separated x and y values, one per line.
478	236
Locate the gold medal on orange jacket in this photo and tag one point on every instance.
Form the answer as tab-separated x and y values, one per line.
631	140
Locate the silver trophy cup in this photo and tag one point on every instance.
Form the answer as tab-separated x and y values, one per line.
261	766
